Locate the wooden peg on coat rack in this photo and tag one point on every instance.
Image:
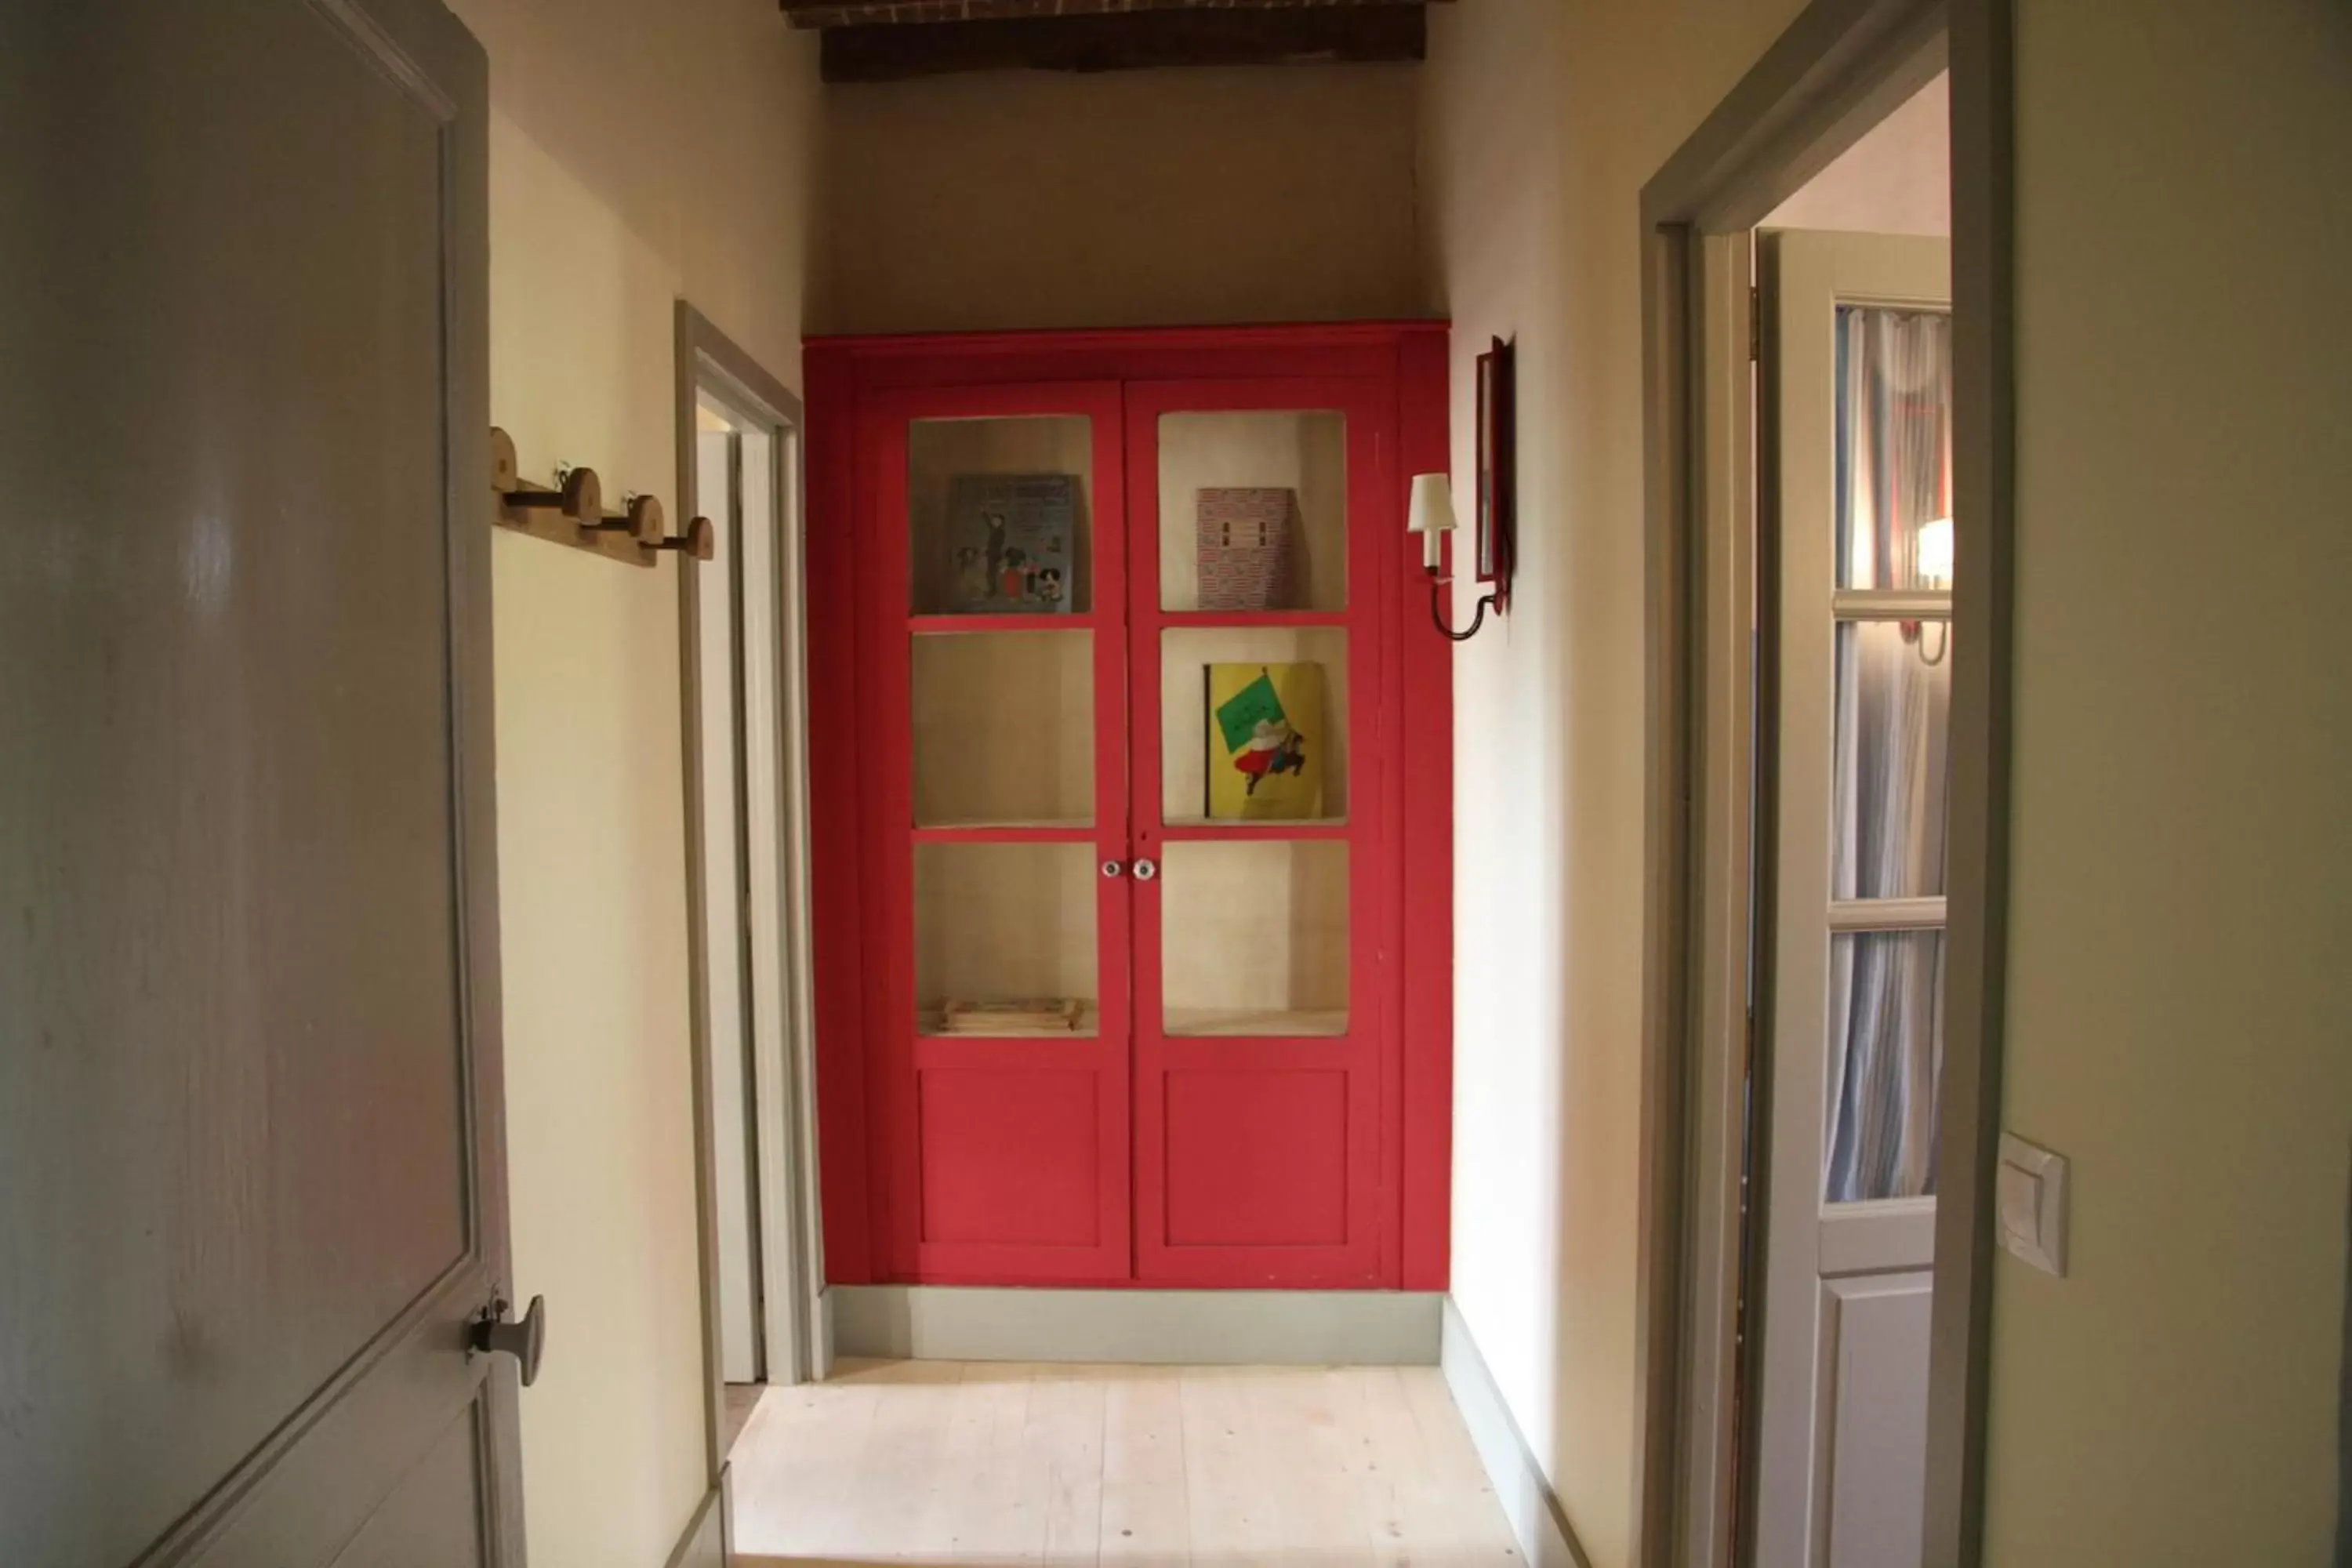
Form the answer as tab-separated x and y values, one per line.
699	541
573	511
579	497
640	519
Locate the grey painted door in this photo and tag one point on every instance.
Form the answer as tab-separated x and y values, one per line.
251	1168
1857	378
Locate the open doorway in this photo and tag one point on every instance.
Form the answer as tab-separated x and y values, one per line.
1856	659
747	852
1836	691
1853	387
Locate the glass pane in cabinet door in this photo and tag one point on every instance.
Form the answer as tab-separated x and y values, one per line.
1887	1048
1254	725
1254	937
1004	729
1894	448
1000	514
1254	512
1888	777
1004	939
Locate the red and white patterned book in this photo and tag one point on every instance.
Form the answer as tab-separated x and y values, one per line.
1247	549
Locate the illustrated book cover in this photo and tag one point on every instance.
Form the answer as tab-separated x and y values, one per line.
1010	537
1265	734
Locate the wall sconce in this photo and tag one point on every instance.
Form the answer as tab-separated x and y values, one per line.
1432	516
1932	555
1494	545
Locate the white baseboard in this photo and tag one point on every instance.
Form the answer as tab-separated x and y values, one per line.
822	1354
1204	1328
1528	1499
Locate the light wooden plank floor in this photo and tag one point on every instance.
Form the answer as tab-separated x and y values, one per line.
974	1463
741	1399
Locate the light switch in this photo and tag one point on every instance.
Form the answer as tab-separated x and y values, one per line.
2030	1200
2020	1206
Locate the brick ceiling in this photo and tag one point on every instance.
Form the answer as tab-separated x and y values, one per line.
893	40
868	13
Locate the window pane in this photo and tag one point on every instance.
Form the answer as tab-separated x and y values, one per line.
1886	1048
1004	925
1894	448
1000	514
1004	729
1255	938
1254	512
1894	719
1254	724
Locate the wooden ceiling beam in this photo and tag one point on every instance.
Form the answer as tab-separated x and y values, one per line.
903	13
1135	40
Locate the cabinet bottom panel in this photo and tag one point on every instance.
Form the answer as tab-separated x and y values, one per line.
1020	1174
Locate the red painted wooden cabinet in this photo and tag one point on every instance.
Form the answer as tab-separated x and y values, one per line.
1132	800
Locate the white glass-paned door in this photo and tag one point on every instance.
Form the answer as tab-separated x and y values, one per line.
1860	373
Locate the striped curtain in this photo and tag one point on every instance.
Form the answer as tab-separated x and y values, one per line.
1892	696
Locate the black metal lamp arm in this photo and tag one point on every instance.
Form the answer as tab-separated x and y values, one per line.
1437	615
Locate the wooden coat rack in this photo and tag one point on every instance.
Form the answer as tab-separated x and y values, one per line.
573	514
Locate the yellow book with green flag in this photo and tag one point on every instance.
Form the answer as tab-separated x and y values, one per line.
1265	731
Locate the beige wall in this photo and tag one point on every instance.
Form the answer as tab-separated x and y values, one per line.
1141	198
2179	1013
1895	180
1542	122
636	153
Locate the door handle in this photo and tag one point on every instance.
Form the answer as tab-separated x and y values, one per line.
1112	868
1145	871
493	1334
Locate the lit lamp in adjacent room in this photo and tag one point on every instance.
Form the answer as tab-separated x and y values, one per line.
1935	553
1432	516
1931	559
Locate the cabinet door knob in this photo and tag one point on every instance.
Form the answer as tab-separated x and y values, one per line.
1112	868
492	1334
1145	871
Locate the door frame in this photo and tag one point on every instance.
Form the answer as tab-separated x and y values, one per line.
783	1099
1837	70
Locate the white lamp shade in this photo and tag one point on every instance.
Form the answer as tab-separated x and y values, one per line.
1933	559
1433	504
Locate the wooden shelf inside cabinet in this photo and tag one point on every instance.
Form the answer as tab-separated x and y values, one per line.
573	514
1212	1023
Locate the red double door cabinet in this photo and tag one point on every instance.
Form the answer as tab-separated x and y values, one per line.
1131	785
